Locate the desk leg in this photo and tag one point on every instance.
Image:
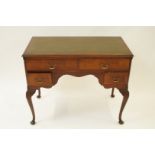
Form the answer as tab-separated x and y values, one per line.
125	94
112	92
39	93
29	95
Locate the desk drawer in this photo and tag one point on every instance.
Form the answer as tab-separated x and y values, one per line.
47	65
115	79
39	79
104	64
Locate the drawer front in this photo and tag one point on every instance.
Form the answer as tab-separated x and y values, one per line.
117	79
39	79
104	64
48	65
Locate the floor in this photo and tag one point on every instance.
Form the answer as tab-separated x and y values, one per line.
76	103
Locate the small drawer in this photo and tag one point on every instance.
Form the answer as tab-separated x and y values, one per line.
117	79
49	65
39	79
105	64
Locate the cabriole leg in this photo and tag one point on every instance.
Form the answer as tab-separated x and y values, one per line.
112	92
39	93
29	94
125	94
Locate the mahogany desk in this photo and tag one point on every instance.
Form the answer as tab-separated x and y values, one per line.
48	58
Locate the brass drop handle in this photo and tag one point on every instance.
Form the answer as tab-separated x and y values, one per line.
104	67
39	80
52	67
115	80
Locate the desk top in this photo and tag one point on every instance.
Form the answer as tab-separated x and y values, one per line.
77	46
